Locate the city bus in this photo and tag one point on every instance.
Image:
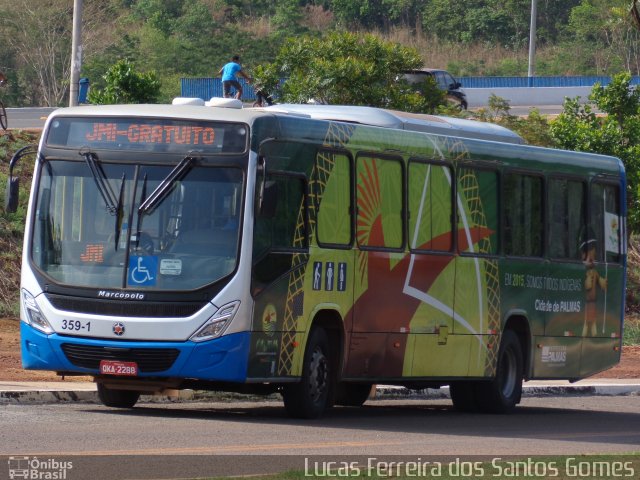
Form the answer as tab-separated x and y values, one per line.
316	251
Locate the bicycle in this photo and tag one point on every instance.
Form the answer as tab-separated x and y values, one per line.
3	113
263	99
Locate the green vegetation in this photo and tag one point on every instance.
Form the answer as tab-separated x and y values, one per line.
617	133
350	69
194	38
125	85
12	224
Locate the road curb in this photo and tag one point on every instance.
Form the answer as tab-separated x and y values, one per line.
383	392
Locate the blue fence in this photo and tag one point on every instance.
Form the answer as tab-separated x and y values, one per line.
514	82
206	88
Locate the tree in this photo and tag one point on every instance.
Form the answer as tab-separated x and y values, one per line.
349	69
125	85
39	35
607	27
617	133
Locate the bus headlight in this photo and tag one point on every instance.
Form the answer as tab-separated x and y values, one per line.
215	325
35	318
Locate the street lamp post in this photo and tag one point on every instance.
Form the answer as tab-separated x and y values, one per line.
532	42
76	53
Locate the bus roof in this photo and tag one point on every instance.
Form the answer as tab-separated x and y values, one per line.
417	122
342	113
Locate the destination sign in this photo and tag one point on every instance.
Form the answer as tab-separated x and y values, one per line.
143	134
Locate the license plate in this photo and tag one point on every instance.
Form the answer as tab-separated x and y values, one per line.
115	367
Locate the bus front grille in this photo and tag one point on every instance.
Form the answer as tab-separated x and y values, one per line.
149	360
129	309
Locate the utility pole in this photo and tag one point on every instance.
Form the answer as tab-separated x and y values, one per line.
76	53
532	42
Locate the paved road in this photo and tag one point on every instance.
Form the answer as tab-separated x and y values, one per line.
418	428
32	117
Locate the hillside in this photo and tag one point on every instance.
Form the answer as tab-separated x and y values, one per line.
195	38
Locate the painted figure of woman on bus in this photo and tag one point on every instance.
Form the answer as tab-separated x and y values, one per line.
592	282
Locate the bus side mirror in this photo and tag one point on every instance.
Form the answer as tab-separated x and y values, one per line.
13	183
12	194
269	200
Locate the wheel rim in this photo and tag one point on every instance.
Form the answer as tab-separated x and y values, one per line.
509	372
318	374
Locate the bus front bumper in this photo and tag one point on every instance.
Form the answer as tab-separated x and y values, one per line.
220	359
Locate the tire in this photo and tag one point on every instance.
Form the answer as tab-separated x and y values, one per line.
352	394
3	117
117	398
310	397
463	396
456	102
503	393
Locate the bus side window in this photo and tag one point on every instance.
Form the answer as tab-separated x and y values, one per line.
605	221
567	217
286	229
430	206
523	215
379	192
334	200
479	188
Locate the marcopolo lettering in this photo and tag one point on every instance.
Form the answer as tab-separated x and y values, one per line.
120	295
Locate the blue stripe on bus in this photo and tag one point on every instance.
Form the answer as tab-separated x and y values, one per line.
221	359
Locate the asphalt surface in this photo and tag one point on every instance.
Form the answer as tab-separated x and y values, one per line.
55	392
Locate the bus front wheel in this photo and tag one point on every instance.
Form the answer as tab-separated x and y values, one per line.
117	398
310	397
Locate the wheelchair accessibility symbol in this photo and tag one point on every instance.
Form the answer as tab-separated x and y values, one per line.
143	270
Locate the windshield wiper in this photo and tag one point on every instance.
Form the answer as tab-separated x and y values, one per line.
119	212
101	182
143	197
166	186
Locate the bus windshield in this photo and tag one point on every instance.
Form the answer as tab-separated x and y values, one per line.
89	229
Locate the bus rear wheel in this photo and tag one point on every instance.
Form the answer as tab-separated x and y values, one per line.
503	393
310	397
117	398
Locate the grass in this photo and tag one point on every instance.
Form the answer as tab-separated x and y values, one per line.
631	330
